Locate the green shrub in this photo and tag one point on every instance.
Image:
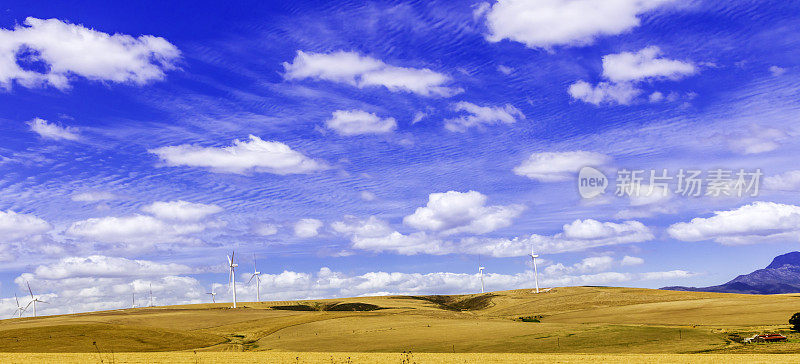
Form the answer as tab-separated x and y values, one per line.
795	321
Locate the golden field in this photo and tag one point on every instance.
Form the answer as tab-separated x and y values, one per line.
618	324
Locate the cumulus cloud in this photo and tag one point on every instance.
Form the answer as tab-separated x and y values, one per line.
376	235
787	181
548	23
93	196
355	122
364	71
644	65
56	52
181	210
15	227
777	71
754	223
255	155
587	265
482	115
100	282
265	229
559	166
629	260
604	92
131	229
307	228
576	236
623	71
167	222
97	266
757	139
455	212
53	131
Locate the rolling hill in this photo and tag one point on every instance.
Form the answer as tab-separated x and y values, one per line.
571	320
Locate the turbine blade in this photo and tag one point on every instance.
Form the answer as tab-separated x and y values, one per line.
26	306
251	278
29	288
16	299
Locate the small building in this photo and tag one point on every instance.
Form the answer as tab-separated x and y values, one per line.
766	338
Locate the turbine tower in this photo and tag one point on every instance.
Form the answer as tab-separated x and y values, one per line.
20	310
480	272
34	299
151	294
133	296
535	272
213	294
257	276
232	275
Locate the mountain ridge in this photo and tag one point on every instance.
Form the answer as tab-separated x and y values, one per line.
782	275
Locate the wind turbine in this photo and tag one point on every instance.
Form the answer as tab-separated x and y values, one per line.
20	310
133	296
535	272
151	294
213	294
480	272
33	299
232	275
257	276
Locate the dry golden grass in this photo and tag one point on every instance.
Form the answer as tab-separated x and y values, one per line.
575	320
381	358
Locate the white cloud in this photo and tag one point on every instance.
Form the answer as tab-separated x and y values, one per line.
482	115
53	131
68	50
367	196
363	71
656	97
754	223
181	210
101	283
650	194
255	155
604	92
307	228
587	265
787	181
559	166
265	229
777	71
756	140
623	71
547	23
132	229
505	69
15	227
355	122
171	222
644	65
629	260
455	212
93	196
576	236
99	266
374	234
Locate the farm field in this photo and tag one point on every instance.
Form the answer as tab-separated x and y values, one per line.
573	322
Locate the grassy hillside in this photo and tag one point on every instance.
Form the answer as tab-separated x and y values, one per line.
572	320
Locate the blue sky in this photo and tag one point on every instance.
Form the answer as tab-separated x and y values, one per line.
386	147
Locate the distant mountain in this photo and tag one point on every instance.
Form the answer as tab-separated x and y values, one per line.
781	276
